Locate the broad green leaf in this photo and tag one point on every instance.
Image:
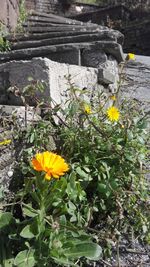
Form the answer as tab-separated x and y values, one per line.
73	218
9	262
27	232
62	220
29	211
102	188
82	173
25	258
72	206
5	219
89	250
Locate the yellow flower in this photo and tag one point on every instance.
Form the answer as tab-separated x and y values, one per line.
52	164
87	109
113	113
5	142
130	56
113	97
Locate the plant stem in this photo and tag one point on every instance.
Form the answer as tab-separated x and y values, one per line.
118	254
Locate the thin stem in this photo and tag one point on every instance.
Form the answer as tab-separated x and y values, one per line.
118	253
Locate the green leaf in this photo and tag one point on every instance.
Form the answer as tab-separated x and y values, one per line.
102	188
9	262
62	220
29	211
32	137
82	173
1	193
27	232
89	250
64	262
30	79
5	219
25	258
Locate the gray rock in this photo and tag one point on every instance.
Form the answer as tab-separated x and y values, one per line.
105	76
137	81
137	87
62	39
70	37
93	58
52	73
23	116
108	47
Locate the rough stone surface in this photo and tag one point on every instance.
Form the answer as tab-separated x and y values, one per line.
93	58
137	86
105	76
57	6
137	37
129	17
53	73
9	10
64	40
23	116
137	81
110	48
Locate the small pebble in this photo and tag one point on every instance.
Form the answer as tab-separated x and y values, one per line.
10	174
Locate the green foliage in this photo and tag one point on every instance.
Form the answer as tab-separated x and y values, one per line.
22	16
47	234
103	197
4	43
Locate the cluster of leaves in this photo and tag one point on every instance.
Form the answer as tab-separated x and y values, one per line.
22	16
108	160
4	43
103	197
44	234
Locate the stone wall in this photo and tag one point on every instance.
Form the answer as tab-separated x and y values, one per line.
9	10
129	3
57	7
106	15
30	4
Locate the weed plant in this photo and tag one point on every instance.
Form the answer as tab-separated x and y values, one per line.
80	198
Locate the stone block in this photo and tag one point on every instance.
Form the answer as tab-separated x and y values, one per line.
93	58
69	57
105	77
54	74
21	114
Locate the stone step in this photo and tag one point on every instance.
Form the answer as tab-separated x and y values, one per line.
108	47
56	19
43	2
37	29
40	36
47	19
40	22
63	40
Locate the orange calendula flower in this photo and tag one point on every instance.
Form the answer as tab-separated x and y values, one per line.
5	142
52	164
131	56
113	113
